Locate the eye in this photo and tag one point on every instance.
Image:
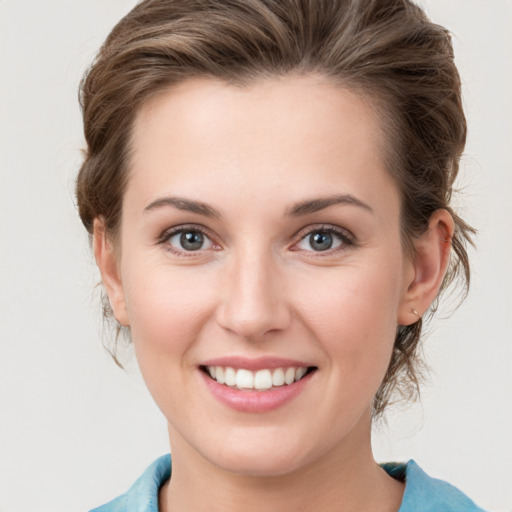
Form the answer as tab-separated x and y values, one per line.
187	240
324	239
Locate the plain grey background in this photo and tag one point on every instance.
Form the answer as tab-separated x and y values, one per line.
75	431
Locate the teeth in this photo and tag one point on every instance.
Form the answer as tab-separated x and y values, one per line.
244	379
289	375
263	379
300	373
278	377
230	377
219	375
260	380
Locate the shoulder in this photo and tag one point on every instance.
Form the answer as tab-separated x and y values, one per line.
426	494
143	494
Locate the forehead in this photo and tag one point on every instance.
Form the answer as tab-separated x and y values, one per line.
306	103
289	132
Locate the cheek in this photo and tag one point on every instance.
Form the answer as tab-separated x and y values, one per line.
167	315
355	318
166	312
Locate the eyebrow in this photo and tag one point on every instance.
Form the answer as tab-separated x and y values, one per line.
314	205
298	209
183	204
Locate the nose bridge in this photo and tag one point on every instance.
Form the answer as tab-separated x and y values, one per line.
254	302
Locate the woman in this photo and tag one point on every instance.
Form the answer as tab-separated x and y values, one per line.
267	185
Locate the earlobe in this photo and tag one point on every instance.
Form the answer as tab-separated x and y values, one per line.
107	261
432	255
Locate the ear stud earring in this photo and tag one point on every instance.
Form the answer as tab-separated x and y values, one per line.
417	314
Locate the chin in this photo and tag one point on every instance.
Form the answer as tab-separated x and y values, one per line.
262	459
258	466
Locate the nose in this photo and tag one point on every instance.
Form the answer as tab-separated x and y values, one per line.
253	302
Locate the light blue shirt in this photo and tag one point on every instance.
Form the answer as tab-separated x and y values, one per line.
422	493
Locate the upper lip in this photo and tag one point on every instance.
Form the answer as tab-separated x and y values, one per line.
254	364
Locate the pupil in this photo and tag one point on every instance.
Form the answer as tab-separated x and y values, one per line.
320	241
191	240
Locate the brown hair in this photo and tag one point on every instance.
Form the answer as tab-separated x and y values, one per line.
386	50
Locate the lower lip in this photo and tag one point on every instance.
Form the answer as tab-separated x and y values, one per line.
256	401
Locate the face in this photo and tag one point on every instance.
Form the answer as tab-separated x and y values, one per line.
260	244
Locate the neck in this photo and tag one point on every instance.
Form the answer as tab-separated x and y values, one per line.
347	479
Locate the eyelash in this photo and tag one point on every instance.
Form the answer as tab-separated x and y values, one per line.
346	238
166	235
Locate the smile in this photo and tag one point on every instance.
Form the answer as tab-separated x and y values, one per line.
260	380
256	385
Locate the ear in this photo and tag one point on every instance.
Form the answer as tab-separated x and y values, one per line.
108	263
428	266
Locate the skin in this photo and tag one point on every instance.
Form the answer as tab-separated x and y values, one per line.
258	288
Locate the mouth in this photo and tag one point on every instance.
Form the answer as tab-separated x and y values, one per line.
261	380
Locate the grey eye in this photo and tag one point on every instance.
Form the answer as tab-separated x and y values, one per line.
190	240
320	241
